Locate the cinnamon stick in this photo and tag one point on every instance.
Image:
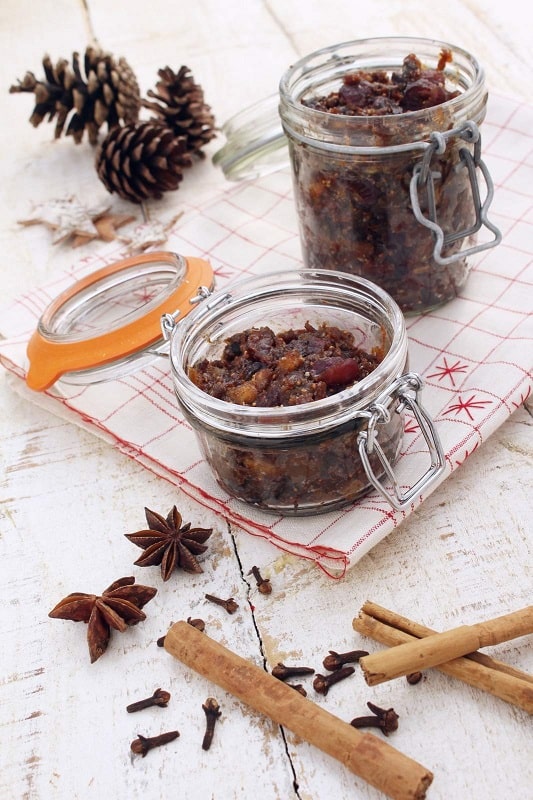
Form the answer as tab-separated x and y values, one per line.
442	647
516	689
419	631
372	759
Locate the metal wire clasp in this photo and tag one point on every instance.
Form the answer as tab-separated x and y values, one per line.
424	178
405	389
169	321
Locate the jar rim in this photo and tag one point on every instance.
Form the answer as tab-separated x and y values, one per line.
288	421
303	66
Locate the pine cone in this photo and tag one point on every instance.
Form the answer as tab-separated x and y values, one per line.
180	105
142	160
105	91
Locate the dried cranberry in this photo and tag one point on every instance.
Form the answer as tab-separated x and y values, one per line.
337	371
423	93
355	96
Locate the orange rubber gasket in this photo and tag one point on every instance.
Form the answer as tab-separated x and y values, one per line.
49	360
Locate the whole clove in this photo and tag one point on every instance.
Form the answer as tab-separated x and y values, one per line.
212	713
386	719
323	683
230	605
159	698
199	624
143	744
298	688
282	672
337	660
263	584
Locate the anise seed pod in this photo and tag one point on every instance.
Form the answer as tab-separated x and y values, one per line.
119	607
169	543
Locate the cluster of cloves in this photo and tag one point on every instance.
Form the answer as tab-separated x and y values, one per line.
160	698
230	605
334	662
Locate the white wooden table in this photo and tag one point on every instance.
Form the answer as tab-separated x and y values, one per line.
67	497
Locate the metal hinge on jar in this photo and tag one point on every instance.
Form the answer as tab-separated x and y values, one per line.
424	178
405	389
169	321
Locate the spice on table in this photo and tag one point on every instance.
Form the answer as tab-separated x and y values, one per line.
230	605
212	713
335	660
196	623
282	672
143	744
439	648
476	669
322	683
263	584
413	678
119	607
161	641
370	757
386	719
299	688
159	698
169	543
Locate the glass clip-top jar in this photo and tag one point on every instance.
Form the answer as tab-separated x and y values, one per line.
300	459
311	457
394	193
384	143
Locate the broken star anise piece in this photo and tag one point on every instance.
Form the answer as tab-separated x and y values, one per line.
119	606
170	543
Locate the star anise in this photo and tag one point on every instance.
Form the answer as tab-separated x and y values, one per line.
170	543
118	607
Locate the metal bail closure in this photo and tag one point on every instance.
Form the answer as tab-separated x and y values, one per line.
424	178
405	389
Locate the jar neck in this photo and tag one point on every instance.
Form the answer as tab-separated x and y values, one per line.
285	293
322	72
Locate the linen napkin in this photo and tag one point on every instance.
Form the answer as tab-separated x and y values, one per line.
474	353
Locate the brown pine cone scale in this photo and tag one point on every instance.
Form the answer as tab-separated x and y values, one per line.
104	90
142	161
178	102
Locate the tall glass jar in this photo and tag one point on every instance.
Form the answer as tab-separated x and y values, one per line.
392	197
315	456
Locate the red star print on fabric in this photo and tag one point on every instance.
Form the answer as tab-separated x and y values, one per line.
411	426
458	462
448	370
467	405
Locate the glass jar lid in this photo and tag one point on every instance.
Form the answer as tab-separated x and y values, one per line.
109	323
255	142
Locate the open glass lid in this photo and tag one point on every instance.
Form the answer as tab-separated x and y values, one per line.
108	324
255	142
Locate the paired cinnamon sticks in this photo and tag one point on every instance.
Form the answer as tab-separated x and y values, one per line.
372	759
414	647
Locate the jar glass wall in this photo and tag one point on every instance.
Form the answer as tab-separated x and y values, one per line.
353	175
299	459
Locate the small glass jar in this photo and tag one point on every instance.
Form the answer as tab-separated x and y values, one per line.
393	197
316	456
